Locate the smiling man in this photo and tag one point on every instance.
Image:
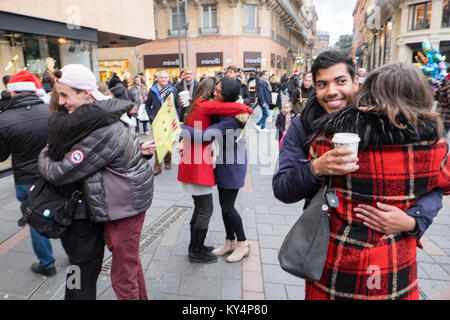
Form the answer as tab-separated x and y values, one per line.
336	82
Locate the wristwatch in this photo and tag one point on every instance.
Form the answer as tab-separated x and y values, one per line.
415	232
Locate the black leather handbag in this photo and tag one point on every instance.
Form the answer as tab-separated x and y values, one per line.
304	250
47	211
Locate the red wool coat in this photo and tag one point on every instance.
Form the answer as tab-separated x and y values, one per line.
196	165
362	263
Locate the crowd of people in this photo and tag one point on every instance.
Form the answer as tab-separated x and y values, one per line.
81	136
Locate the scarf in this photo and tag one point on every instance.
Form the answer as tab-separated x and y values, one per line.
163	92
190	89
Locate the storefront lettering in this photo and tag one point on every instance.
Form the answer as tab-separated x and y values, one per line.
215	61
171	63
253	61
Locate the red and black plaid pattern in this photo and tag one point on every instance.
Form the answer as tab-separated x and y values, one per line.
362	263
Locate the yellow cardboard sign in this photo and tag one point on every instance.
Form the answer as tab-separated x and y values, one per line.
166	128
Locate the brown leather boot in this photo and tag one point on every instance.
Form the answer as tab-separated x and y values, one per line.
229	246
242	250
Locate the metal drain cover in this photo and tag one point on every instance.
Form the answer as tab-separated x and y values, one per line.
153	232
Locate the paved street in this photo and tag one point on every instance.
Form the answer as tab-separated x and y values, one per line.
168	272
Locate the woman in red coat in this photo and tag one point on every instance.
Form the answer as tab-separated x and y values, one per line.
195	170
401	156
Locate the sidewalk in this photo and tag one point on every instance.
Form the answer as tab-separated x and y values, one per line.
168	272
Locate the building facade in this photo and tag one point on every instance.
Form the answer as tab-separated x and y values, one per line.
397	28
322	43
359	43
251	34
49	35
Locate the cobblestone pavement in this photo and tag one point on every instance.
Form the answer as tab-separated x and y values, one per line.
168	272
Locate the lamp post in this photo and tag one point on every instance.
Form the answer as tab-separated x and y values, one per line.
179	36
186	27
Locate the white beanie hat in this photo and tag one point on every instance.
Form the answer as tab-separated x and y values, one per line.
79	77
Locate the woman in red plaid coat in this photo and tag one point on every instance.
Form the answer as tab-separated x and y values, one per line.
401	156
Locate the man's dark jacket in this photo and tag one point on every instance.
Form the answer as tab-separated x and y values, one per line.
264	94
180	87
154	101
23	134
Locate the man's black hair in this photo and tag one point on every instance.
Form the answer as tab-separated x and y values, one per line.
6	79
330	58
231	89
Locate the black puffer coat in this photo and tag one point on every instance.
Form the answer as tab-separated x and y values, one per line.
23	134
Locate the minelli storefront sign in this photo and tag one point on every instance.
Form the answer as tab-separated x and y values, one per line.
252	59
209	59
162	60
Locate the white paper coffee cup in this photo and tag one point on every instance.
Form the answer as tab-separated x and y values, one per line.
185	95
349	141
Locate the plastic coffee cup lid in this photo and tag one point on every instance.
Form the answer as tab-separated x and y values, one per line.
346	138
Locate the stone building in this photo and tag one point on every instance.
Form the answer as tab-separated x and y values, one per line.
397	28
250	34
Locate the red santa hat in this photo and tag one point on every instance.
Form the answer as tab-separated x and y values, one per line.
24	81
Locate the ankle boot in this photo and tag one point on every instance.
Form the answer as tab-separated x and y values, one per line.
206	248
197	252
229	246
242	250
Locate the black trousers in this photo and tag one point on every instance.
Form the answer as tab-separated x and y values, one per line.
231	218
203	210
85	245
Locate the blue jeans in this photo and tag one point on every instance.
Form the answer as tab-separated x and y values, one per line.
265	114
144	125
41	245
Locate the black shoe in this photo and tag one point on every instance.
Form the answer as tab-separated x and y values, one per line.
201	256
208	248
197	251
48	272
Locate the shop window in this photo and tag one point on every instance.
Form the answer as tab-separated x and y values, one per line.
251	18
446	15
420	15
209	17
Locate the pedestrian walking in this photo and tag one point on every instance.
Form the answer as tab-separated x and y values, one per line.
298	177
294	82
139	92
23	134
300	96
283	95
105	160
196	166
401	147
284	119
155	98
264	98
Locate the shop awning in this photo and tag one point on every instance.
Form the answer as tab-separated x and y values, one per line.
26	24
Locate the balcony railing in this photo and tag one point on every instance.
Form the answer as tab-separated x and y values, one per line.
251	29
174	33
208	30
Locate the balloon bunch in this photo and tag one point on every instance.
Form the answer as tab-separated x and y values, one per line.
432	63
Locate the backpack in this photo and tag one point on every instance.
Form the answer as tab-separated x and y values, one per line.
47	211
